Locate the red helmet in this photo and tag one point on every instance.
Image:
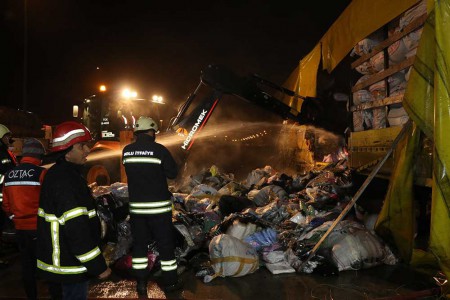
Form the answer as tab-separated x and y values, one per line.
69	133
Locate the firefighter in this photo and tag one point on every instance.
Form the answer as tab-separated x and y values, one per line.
68	228
148	165
21	190
7	158
7	162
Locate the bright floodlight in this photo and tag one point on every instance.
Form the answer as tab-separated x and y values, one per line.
157	99
126	93
75	111
102	88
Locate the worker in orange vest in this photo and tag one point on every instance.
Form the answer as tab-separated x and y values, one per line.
21	190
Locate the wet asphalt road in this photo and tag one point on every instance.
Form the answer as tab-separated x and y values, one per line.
383	282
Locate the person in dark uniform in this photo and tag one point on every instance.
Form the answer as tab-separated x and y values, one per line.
148	165
21	190
68	228
7	158
7	162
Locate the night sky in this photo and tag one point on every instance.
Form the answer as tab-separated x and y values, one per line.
154	47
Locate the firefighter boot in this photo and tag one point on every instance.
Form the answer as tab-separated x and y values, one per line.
173	287
141	287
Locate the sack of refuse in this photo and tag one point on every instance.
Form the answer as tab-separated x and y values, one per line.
241	230
269	193
258	176
232	188
120	190
359	248
202	190
231	257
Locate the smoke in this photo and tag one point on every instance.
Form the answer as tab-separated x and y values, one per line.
240	147
233	147
326	142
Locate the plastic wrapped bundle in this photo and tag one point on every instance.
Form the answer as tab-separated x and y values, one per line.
360	249
231	257
397	52
358	121
232	188
120	191
362	119
256	176
411	40
365	68
396	82
366	45
269	193
377	62
379	113
378	90
379	117
241	230
194	204
202	190
413	13
361	96
397	116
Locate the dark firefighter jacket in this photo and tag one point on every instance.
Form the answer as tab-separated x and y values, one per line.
7	162
148	165
21	191
68	228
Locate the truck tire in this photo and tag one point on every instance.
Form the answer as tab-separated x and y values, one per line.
98	174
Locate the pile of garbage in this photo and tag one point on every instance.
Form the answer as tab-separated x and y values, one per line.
231	228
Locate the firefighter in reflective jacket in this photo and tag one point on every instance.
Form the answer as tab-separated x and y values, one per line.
7	162
148	165
7	158
68	228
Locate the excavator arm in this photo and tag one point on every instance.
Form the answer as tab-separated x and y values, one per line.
252	89
215	83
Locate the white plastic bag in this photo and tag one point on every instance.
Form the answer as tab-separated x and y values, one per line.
360	249
281	267
240	230
231	257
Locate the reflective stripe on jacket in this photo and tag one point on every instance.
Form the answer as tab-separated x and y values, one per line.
150	208
148	165
68	227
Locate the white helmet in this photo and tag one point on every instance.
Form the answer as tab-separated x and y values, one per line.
4	130
145	123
